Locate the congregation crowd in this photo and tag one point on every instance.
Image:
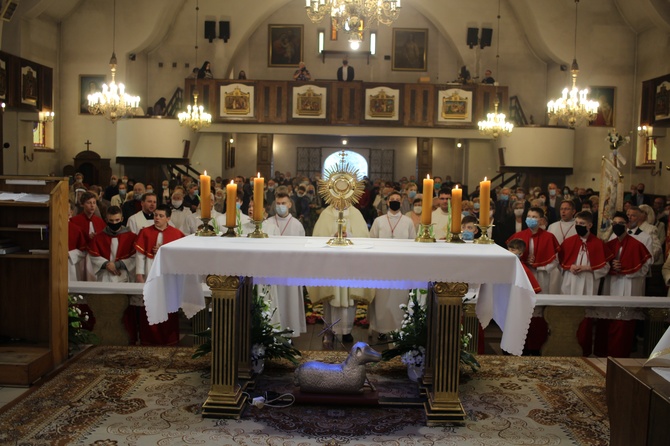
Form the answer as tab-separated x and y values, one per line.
116	232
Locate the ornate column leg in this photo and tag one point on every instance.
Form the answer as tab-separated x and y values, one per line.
225	398
563	324
654	328
244	299
471	325
200	322
444	350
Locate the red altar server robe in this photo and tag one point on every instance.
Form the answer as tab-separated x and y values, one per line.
87	225
76	247
165	333
100	252
546	246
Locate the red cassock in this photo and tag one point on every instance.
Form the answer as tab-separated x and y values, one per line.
598	253
83	222
538	331
135	318
100	246
633	254
75	238
545	246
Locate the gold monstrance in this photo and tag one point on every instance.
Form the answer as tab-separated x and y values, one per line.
341	188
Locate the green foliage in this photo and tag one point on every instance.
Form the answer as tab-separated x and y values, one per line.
76	333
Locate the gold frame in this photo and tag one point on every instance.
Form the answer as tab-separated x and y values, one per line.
404	60
276	46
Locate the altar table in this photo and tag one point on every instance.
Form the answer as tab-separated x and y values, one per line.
230	265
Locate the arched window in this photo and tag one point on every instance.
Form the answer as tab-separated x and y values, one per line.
355	160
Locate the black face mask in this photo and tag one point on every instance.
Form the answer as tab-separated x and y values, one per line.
394	205
115	226
581	230
640	191
619	229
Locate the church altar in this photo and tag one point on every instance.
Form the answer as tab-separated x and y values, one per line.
230	266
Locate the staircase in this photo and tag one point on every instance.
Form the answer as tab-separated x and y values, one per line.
176	102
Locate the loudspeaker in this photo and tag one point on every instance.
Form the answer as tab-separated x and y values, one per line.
224	31
473	37
9	9
210	30
487	34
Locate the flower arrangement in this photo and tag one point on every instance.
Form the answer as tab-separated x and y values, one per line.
268	341
616	140
410	341
77	318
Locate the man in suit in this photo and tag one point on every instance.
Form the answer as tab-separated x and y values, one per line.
345	72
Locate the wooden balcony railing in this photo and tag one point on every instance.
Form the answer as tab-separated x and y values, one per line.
346	103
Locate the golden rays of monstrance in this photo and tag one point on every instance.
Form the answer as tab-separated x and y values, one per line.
341	187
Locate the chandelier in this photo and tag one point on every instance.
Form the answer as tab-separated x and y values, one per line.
354	16
495	124
574	105
113	102
195	116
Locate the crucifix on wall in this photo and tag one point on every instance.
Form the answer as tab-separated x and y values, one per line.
88	144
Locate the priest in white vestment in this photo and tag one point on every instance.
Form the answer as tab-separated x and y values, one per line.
145	217
182	217
384	312
562	229
441	217
339	302
288	300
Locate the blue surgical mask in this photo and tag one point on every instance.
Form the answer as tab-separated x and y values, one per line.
465	213
467	235
411	194
504	197
476	205
238	205
281	209
532	223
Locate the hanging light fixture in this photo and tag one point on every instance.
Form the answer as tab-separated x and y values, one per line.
354	16
495	124
574	105
195	116
113	102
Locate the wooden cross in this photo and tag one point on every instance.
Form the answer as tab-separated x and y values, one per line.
88	144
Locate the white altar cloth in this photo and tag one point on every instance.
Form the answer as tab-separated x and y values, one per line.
506	295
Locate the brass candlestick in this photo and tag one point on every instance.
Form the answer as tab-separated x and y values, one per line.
424	234
455	237
205	229
230	232
258	231
484	239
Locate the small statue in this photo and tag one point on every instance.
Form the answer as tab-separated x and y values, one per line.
348	377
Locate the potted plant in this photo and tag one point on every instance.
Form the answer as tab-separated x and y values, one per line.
409	342
79	320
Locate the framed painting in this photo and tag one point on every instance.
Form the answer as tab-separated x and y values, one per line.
309	101
3	80
605	96
410	49
89	84
29	86
285	45
237	101
455	105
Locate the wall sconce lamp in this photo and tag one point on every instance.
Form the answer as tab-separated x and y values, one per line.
47	116
643	131
26	157
3	105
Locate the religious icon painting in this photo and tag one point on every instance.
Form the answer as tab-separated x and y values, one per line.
662	101
89	84
238	101
29	86
410	50
605	96
285	45
382	103
309	101
455	105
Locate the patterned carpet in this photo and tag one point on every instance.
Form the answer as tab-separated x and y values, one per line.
151	396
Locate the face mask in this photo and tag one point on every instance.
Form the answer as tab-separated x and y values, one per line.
467	235
149	191
417	209
271	188
165	187
112	182
476	206
394	205
536	194
177	203
520	195
552	192
532	223
281	209
411	194
619	229
666	213
504	197
122	192
640	191
310	192
238	206
566	192
465	213
301	194
219	198
115	226
124	181
138	197
518	212
581	230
